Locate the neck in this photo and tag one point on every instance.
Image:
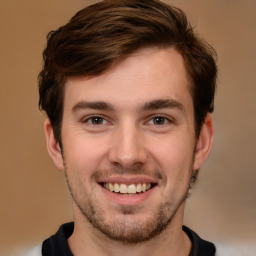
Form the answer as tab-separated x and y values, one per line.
87	241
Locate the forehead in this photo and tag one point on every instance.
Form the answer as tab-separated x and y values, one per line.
146	75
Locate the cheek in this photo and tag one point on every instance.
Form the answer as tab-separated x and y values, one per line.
172	150
174	157
84	153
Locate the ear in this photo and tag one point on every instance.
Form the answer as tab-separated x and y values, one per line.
204	142
53	146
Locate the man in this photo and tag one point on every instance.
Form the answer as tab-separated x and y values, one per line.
128	89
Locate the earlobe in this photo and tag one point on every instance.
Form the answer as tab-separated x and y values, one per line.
53	146
204	143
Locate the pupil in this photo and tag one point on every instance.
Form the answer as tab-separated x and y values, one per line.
97	120
158	120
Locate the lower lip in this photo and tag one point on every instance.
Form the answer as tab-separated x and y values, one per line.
126	199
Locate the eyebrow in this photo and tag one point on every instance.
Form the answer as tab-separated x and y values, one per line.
98	105
151	105
162	103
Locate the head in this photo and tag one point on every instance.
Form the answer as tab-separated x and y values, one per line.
127	87
103	34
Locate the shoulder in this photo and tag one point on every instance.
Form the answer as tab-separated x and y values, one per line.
58	243
200	247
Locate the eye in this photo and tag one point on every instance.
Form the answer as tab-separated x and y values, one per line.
158	120
95	120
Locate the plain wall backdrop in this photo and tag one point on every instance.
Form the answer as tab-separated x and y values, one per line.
34	197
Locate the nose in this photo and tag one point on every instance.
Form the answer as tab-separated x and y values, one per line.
128	147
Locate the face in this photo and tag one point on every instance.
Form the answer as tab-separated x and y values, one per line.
129	145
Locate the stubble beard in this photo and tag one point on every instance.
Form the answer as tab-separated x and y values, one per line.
127	229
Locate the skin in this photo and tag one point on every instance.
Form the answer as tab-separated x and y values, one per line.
133	124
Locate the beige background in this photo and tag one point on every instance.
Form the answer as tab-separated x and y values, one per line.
34	198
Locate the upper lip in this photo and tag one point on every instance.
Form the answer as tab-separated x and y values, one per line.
127	180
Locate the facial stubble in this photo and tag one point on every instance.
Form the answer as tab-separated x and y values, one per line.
127	229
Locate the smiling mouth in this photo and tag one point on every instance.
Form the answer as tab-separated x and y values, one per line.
132	189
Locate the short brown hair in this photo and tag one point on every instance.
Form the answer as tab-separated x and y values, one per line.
103	33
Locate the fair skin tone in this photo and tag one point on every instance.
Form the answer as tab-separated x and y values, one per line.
130	130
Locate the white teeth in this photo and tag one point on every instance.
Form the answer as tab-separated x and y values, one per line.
132	189
127	189
111	187
138	188
123	189
116	188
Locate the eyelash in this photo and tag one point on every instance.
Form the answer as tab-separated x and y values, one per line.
164	118
90	119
